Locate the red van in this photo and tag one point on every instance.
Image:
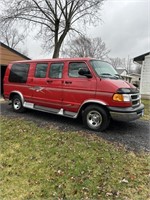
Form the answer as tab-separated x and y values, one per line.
72	87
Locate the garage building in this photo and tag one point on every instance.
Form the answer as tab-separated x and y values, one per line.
8	55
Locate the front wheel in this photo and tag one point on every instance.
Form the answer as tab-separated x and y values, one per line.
96	118
17	104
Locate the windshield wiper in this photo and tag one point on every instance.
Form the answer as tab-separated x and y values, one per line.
105	74
116	76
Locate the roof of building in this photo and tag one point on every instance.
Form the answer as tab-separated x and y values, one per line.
14	51
120	71
141	58
135	74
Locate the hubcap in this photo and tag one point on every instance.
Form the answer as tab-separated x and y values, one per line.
94	119
17	104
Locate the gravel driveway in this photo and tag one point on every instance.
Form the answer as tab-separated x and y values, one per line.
134	135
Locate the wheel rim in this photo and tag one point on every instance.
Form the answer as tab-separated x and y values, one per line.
17	104
94	119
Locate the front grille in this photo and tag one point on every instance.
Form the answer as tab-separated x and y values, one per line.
136	99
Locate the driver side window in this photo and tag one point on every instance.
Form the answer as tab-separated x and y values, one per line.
74	68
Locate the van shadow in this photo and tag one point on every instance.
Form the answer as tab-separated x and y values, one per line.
69	124
133	135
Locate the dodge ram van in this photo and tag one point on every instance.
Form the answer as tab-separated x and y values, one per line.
71	87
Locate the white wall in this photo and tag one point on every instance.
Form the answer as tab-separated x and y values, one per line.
124	73
145	77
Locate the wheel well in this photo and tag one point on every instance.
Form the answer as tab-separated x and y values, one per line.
16	93
12	95
89	104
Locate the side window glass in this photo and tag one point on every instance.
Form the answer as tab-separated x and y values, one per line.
41	70
74	68
56	70
19	73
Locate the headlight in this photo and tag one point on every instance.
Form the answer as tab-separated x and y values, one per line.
121	97
126	97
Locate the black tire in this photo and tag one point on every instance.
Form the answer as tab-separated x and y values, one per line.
17	104
96	118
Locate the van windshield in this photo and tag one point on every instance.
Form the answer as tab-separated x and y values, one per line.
104	69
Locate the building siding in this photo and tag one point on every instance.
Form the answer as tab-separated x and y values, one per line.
145	77
7	56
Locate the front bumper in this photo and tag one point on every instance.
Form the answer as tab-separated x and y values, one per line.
126	114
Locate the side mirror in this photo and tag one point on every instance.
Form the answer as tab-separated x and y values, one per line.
85	72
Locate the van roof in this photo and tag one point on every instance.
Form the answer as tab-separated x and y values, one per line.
54	59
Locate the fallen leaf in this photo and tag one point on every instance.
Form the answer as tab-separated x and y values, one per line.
124	181
109	194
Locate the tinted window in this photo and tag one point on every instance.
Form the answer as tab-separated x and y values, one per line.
19	73
41	70
74	68
56	70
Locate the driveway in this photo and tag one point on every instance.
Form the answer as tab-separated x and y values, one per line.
134	136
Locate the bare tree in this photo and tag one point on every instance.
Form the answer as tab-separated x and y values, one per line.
86	47
54	17
125	63
117	62
79	47
10	36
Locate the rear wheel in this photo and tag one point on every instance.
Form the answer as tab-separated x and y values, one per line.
17	104
96	118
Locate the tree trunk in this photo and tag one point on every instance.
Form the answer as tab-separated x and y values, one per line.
59	43
56	50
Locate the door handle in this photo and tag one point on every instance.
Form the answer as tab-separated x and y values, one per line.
68	82
49	81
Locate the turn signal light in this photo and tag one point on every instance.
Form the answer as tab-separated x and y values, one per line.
118	97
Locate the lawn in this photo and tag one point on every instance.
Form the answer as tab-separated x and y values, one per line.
146	103
42	163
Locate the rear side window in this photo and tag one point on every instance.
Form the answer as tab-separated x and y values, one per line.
41	70
56	70
19	73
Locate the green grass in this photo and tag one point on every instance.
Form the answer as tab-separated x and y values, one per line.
146	103
42	163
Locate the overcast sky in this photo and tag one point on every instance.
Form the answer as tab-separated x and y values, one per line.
125	28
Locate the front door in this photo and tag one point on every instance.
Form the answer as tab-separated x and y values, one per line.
77	88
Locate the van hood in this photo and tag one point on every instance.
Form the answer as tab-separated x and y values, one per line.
111	85
121	83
